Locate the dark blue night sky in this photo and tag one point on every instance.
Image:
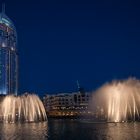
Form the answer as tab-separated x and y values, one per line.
60	42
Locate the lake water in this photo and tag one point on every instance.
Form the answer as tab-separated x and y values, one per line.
70	130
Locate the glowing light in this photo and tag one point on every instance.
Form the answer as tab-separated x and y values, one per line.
3	44
120	100
26	108
12	48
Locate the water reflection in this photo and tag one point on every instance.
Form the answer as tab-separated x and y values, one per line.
87	130
124	131
70	130
25	131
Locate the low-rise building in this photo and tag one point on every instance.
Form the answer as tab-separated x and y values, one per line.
67	104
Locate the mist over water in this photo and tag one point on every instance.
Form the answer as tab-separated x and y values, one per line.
25	108
118	101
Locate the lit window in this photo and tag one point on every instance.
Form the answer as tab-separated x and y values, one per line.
3	44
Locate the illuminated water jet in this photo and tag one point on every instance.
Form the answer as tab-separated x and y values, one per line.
118	101
25	108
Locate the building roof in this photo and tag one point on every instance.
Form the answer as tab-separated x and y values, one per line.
6	20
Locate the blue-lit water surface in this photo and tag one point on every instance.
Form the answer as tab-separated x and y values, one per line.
70	130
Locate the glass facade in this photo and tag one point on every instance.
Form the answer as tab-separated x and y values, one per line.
8	56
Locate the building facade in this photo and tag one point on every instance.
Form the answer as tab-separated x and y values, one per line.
8	56
67	104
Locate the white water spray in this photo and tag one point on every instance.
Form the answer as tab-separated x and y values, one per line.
119	100
25	108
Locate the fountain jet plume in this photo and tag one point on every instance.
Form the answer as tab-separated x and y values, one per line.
25	108
119	100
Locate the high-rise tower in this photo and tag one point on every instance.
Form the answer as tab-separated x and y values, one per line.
8	55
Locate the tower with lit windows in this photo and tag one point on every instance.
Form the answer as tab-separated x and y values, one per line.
8	56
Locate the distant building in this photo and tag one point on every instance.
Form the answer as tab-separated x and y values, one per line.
8	56
67	104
